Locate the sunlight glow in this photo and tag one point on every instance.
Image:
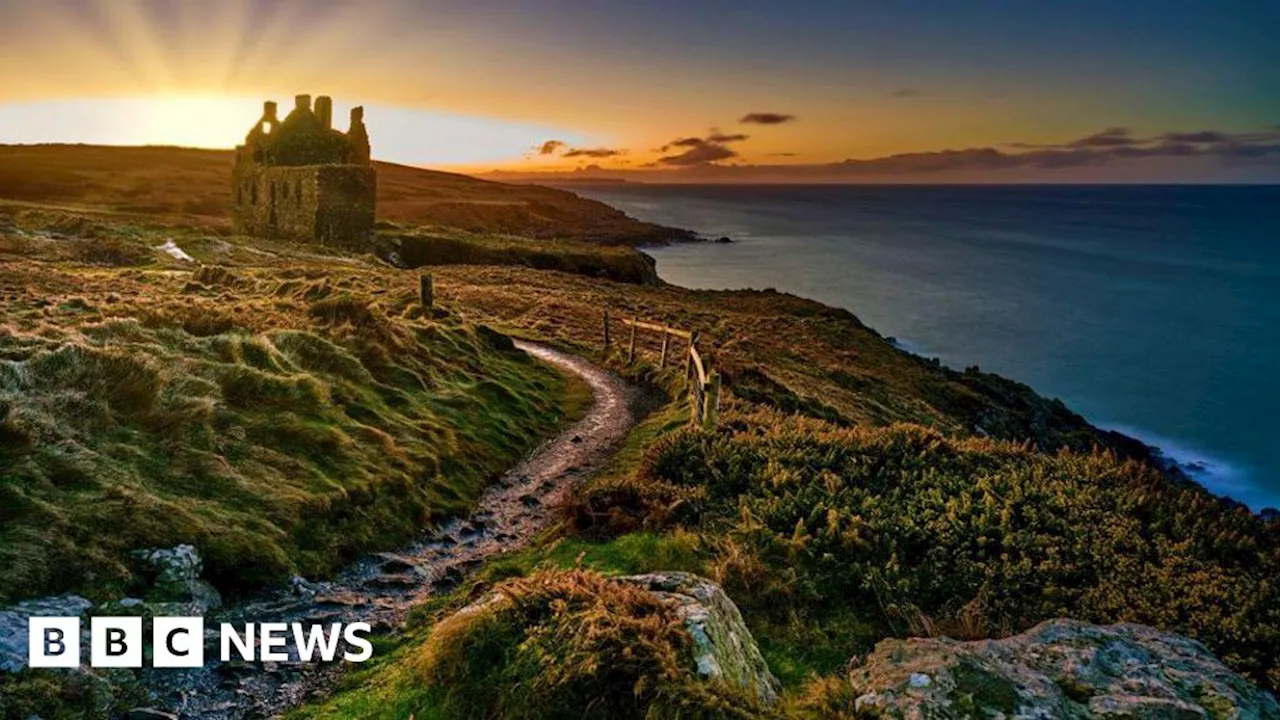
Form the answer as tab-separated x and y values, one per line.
405	135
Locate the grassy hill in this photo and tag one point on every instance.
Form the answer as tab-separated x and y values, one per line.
194	186
282	419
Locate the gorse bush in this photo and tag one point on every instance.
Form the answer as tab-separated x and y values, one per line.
963	537
560	644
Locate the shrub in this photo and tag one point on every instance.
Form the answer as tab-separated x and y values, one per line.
967	537
569	645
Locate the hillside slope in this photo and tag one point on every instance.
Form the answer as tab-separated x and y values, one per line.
195	186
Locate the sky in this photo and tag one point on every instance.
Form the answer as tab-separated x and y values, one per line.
803	91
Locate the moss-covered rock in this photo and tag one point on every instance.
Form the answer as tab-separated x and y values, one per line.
1058	669
723	649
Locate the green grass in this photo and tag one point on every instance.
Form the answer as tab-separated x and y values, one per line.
286	438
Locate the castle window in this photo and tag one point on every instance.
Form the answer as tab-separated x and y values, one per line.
254	193
297	193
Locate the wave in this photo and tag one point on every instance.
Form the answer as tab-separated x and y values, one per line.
1217	475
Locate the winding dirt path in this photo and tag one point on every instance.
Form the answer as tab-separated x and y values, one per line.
382	587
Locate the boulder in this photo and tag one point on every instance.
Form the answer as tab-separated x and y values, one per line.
724	650
178	577
1058	669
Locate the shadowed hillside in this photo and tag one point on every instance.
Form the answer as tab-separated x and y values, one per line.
195	185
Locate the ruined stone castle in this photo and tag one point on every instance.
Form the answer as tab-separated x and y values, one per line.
301	179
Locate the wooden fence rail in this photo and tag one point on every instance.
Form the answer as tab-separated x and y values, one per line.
704	384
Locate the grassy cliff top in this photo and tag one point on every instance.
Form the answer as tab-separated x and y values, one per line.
281	418
195	186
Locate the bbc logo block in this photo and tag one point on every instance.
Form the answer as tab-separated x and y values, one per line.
53	642
179	642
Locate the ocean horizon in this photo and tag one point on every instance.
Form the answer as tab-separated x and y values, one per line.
1153	310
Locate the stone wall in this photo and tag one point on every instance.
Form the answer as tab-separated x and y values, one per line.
330	204
345	212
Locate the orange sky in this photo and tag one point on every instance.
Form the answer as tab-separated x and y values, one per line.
479	85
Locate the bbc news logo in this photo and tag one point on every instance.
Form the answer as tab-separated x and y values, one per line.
179	642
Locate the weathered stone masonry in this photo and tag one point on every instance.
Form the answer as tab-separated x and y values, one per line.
301	179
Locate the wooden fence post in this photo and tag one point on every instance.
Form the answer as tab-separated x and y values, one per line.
711	412
426	293
631	351
666	340
688	355
606	329
695	401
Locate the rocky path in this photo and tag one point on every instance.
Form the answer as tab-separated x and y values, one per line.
381	588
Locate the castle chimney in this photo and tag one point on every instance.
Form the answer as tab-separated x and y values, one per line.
269	110
302	102
324	111
358	137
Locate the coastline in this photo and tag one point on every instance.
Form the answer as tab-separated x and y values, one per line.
1181	464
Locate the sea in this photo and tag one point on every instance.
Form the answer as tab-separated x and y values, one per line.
1152	310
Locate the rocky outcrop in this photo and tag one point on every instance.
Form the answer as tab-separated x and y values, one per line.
178	581
177	590
1058	669
14	625
723	648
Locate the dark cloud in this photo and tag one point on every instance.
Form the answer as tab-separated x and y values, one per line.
783	154
701	155
1246	150
701	150
593	153
905	93
766	118
551	147
1111	137
561	148
1202	136
1111	153
688	142
1113	145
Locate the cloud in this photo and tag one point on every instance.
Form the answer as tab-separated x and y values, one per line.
1200	136
905	93
688	142
766	118
1111	137
1112	153
551	147
700	150
700	155
783	154
593	153
561	148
